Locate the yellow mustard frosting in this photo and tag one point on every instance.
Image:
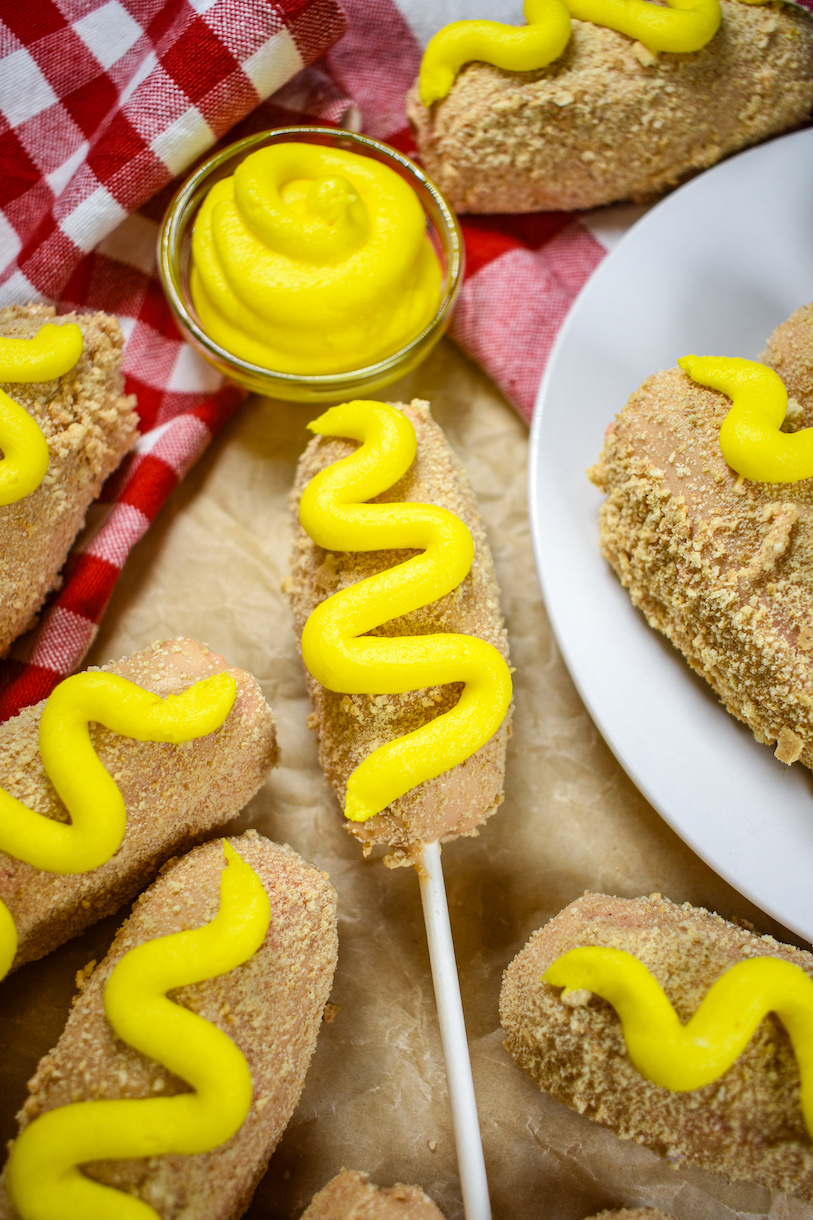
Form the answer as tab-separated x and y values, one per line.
677	26
685	1057
681	25
43	1177
91	796
750	438
335	647
313	260
53	351
515	48
8	939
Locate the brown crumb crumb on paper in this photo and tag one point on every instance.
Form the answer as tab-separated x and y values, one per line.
789	746
633	1213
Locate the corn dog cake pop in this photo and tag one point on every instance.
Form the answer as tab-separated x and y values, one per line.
63	379
720	560
680	1054
351	1195
243	936
133	802
614	113
413	755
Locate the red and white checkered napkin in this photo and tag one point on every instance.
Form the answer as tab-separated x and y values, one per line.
102	104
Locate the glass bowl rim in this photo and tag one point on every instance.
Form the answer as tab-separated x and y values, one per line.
173	228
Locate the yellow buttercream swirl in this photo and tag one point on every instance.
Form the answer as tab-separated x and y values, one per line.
43	1177
515	48
53	351
91	796
335	647
685	1057
313	260
750	438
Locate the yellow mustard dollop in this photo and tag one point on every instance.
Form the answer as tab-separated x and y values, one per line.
515	48
43	1177
53	351
750	438
313	260
335	647
91	796
685	1057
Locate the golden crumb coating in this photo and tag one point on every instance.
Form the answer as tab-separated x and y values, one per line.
720	565
747	1125
174	795
609	121
271	1007
352	1196
351	726
89	425
790	352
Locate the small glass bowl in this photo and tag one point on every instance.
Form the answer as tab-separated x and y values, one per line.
174	247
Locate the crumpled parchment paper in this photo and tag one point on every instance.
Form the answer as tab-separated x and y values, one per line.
375	1098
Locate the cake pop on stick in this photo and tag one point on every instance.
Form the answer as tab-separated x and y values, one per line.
469	1145
395	598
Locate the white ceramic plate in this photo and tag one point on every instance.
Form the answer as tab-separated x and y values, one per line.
712	269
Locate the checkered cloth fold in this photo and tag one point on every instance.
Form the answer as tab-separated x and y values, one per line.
102	104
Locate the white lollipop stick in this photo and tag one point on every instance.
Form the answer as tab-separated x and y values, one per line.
469	1144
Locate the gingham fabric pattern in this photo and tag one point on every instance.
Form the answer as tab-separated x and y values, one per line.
102	104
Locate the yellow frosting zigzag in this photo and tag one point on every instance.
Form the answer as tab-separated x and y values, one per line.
53	350
515	48
750	439
335	647
92	798
685	1057
680	26
43	1176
